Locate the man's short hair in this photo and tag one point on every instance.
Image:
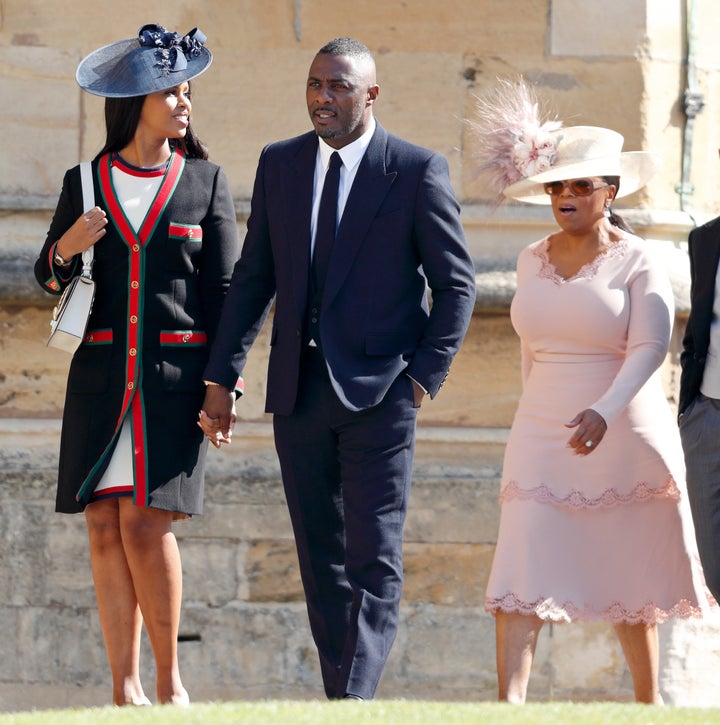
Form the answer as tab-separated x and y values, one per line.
348	47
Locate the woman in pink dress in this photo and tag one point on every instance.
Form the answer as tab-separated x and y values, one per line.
593	521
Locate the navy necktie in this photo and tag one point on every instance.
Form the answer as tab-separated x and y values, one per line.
326	223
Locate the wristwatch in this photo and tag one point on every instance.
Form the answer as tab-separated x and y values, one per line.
60	260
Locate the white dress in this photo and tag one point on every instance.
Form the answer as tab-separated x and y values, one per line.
607	535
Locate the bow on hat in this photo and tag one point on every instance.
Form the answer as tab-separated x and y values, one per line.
172	49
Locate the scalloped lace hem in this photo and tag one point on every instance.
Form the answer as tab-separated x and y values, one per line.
578	500
587	271
546	609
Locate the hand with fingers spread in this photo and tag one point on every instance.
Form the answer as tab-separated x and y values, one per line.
590	428
88	229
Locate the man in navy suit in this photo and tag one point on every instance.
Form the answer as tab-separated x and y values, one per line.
352	355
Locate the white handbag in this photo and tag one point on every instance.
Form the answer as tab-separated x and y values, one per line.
71	314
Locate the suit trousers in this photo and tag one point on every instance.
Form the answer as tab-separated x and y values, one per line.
347	480
700	434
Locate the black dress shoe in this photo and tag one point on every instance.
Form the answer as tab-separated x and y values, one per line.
348	696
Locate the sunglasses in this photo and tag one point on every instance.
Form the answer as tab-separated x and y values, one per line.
578	187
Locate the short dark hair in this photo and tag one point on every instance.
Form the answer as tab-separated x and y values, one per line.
348	47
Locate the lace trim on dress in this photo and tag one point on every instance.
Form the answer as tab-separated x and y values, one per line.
578	500
587	271
545	608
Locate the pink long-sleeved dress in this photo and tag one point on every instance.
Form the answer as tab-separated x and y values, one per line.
607	535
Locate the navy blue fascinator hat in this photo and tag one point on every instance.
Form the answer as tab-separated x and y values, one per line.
157	59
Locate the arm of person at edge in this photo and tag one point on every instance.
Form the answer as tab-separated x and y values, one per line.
652	309
450	275
244	310
690	375
220	247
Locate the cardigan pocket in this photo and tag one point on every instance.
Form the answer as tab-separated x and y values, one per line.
185	232
184	356
90	369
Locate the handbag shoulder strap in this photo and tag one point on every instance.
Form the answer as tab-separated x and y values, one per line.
88	203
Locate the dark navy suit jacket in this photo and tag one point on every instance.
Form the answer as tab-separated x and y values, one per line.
704	250
399	234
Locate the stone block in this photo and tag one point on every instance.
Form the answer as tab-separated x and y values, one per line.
241	648
425	26
484	381
615	31
38	86
69	579
453	509
407	80
446	574
584	661
33	379
238	521
279	97
10	627
690	657
445	652
273	572
25	553
211	570
58	645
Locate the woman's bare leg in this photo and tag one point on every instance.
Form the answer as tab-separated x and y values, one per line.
639	643
516	638
154	559
120	617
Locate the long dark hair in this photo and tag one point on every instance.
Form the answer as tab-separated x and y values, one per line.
615	219
122	116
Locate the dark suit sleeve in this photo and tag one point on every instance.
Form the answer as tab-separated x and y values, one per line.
692	368
220	251
449	271
252	288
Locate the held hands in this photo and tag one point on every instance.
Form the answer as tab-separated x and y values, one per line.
87	230
590	429
217	417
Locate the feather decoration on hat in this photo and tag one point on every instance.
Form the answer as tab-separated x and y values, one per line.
510	140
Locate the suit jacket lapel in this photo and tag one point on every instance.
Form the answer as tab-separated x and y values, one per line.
369	189
298	192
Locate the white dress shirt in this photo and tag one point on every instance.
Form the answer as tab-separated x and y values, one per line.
351	156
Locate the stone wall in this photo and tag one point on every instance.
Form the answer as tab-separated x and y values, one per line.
244	630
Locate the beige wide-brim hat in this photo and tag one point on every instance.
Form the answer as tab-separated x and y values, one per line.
586	151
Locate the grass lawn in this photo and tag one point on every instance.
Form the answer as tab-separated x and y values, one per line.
379	711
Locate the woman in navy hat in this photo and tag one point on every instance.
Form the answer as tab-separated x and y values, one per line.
165	241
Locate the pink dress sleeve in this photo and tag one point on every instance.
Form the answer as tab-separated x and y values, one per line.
651	314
